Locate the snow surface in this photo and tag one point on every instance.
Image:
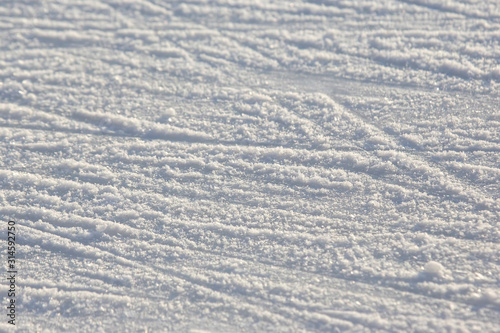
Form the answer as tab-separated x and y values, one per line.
251	166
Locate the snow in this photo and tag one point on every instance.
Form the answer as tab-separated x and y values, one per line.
230	166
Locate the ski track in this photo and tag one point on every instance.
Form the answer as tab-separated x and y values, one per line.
252	166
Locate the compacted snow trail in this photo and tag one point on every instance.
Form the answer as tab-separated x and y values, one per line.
242	166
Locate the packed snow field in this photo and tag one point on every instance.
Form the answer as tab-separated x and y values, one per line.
251	166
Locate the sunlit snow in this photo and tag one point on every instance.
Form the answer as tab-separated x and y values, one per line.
251	166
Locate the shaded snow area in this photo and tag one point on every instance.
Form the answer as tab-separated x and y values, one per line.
251	166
